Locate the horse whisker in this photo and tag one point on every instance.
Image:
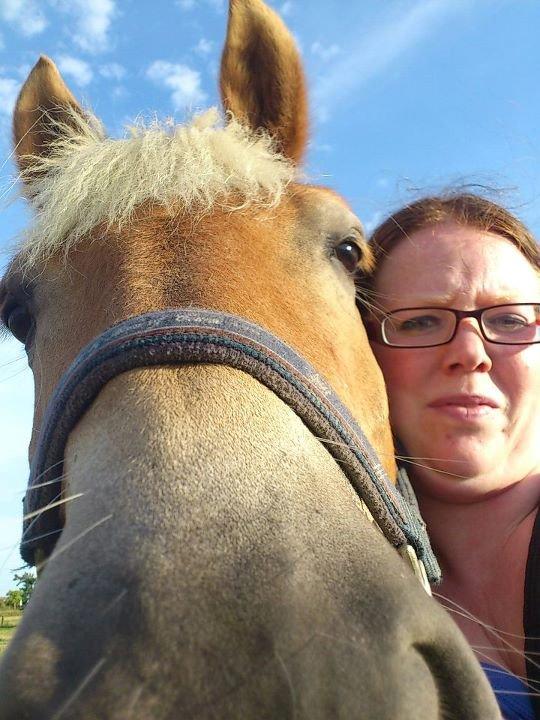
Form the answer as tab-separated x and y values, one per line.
532	693
480	622
11	362
39	376
508	647
10	548
134	700
16	374
69	544
86	680
428	467
41	474
43	535
114	602
409	459
288	679
26	531
31	524
51	505
44	484
499	670
493	647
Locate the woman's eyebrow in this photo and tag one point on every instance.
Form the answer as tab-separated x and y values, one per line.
482	300
421	300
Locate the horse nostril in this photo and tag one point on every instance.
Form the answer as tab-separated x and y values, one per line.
457	689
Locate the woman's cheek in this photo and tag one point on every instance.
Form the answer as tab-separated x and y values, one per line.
403	370
405	377
518	379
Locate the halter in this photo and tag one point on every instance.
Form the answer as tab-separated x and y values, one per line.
176	337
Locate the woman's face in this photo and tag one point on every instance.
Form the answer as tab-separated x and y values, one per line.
469	409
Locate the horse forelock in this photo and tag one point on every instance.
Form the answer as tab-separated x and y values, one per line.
86	179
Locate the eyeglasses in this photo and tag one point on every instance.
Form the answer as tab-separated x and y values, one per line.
419	327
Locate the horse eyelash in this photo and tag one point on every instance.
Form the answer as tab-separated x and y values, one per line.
5	333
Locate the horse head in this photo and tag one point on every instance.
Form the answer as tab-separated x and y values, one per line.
209	556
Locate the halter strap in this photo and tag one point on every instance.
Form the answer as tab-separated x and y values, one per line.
174	337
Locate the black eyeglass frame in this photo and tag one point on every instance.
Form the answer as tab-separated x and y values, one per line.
374	328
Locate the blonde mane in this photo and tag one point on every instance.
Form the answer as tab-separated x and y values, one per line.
87	179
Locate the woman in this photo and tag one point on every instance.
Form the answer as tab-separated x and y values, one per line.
462	370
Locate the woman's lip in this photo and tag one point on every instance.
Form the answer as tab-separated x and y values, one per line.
464	401
465	408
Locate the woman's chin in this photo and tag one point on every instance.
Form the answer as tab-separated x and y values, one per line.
464	469
461	473
461	455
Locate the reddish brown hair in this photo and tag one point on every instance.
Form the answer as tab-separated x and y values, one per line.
463	208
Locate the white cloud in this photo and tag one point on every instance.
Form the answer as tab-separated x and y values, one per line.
119	92
79	70
381	47
286	8
184	82
185	5
112	71
325	52
323	147
92	22
9	89
371	223
96	16
23	71
25	15
204	47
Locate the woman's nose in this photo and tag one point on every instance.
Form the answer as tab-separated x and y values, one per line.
467	351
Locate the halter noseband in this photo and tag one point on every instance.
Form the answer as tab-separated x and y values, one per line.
174	337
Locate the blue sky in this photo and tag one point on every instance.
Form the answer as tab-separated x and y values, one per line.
407	96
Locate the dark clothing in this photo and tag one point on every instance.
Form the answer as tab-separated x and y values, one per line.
531	614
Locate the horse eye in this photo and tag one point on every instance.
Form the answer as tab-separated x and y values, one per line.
349	254
19	321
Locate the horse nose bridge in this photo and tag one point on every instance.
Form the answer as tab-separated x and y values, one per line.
224	259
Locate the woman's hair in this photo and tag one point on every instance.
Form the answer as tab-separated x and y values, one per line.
464	209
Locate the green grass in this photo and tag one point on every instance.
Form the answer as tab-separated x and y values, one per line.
9	620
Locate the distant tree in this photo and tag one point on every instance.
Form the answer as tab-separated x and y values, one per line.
25	582
14	599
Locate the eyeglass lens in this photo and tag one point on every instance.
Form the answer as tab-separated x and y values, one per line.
421	327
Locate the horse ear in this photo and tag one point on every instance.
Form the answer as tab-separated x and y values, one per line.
262	82
43	102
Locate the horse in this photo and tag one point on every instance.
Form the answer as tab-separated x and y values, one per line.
208	556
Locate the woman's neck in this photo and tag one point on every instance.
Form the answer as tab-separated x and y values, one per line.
468	537
483	547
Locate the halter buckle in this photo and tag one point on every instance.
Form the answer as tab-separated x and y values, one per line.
408	553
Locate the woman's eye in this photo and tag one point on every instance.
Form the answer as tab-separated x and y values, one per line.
349	254
418	324
20	322
508	322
